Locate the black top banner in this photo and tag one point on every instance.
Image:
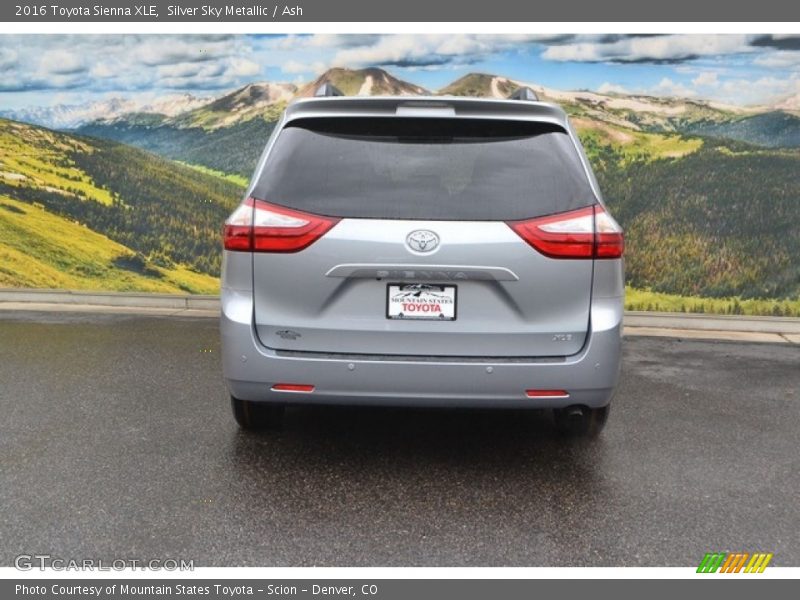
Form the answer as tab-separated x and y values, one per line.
149	11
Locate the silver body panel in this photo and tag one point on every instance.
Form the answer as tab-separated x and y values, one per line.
589	376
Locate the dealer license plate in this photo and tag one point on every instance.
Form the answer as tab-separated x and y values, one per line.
421	301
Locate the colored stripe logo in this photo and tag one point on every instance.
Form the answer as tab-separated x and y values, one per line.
734	562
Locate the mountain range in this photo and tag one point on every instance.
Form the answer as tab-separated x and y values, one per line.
224	132
264	99
69	116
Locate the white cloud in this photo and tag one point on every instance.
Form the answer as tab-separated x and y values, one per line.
766	90
125	63
418	51
667	87
182	69
611	88
411	50
342	40
60	62
707	79
102	71
733	90
323	40
295	67
242	67
782	59
8	59
662	48
164	50
132	64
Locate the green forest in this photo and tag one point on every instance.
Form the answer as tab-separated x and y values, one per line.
717	222
233	149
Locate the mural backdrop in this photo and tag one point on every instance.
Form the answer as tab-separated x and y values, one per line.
120	156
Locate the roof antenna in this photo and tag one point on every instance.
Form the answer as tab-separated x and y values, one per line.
524	93
328	89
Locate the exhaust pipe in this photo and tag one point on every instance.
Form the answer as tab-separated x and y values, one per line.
577	420
573	420
575	414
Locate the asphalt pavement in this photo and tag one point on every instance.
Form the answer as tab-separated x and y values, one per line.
116	441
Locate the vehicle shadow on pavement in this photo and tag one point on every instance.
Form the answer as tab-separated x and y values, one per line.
434	431
420	487
376	439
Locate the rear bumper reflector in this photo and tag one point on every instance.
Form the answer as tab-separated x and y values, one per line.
292	387
546	393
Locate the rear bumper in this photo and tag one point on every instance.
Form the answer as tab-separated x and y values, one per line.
250	370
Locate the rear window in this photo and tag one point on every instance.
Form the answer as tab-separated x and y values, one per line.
412	168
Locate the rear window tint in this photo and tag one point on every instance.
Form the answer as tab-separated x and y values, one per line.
412	168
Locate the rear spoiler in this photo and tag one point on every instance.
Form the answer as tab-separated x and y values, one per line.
426	106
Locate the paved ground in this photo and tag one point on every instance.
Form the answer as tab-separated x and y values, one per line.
116	442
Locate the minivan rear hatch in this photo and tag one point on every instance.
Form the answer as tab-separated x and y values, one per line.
421	260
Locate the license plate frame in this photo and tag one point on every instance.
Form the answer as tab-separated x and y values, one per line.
447	297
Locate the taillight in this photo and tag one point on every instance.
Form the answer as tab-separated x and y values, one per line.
609	239
584	233
257	226
238	231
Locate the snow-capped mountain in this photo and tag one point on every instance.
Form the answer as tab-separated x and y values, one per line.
243	104
364	82
69	116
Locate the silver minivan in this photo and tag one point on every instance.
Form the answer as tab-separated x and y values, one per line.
423	251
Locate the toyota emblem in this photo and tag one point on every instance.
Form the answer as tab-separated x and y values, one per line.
422	240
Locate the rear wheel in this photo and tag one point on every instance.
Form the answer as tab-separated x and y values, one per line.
580	421
257	416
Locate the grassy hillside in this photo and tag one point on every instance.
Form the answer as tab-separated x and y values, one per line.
43	250
627	145
92	214
39	159
233	149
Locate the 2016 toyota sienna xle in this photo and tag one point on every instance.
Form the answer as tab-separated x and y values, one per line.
423	252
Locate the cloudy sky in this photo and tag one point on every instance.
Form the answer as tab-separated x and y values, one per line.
42	70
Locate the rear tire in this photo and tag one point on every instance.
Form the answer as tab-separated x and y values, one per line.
257	416
580	421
